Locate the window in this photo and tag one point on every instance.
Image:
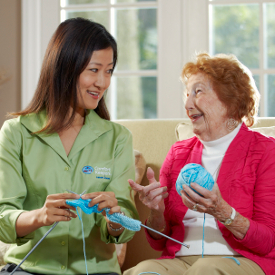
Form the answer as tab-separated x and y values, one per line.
247	29
133	91
146	81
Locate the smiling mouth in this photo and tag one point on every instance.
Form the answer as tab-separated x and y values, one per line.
195	117
93	93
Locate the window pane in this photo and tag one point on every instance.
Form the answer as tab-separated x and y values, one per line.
136	35
100	16
270	31
235	29
65	3
271	95
257	82
136	97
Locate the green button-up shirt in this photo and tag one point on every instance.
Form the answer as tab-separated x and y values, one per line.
33	166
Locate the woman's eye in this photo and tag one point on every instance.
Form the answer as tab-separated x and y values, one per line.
94	70
110	71
197	91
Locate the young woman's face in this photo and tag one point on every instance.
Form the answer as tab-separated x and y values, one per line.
206	112
95	79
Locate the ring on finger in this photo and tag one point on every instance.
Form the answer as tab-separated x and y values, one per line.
195	207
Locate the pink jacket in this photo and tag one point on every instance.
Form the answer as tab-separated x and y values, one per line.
246	181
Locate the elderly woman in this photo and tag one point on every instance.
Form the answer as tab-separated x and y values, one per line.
239	233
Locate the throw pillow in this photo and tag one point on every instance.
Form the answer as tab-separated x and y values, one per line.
140	166
185	131
267	131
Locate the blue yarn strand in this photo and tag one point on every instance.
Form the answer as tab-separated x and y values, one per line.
234	259
202	244
193	172
83	238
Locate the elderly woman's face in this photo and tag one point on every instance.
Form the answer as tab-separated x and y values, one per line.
206	112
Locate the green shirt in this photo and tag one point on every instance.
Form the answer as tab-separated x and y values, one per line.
33	166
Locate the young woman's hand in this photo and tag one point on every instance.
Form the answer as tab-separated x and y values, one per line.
55	209
104	200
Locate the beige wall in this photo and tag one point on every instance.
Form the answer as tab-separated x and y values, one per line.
10	56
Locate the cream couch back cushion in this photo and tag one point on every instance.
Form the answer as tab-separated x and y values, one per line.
185	130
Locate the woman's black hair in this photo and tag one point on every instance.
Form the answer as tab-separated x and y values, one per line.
67	55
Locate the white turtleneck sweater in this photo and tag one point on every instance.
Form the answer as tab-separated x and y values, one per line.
214	244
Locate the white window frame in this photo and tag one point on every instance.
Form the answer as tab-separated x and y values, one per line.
262	71
178	21
110	8
183	29
38	24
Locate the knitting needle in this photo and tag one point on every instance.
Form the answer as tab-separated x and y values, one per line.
83	193
71	191
186	245
76	193
47	233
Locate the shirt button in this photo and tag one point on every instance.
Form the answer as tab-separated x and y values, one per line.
67	168
63	267
63	243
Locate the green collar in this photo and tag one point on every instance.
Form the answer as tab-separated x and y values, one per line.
93	128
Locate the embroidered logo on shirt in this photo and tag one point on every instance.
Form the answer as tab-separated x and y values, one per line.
87	169
103	173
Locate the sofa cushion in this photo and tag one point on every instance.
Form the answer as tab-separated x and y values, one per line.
3	248
140	166
184	131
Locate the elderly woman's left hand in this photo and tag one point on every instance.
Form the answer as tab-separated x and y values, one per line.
211	202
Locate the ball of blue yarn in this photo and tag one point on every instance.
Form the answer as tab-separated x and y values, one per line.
194	172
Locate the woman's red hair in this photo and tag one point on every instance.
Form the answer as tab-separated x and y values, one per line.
232	82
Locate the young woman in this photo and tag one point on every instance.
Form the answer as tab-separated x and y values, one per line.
64	141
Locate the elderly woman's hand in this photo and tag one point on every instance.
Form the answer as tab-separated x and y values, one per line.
152	196
211	202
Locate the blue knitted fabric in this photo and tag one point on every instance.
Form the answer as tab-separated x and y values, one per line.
128	223
193	172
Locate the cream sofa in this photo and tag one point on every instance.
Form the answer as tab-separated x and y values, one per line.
153	138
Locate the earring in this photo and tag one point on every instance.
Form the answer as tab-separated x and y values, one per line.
231	124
